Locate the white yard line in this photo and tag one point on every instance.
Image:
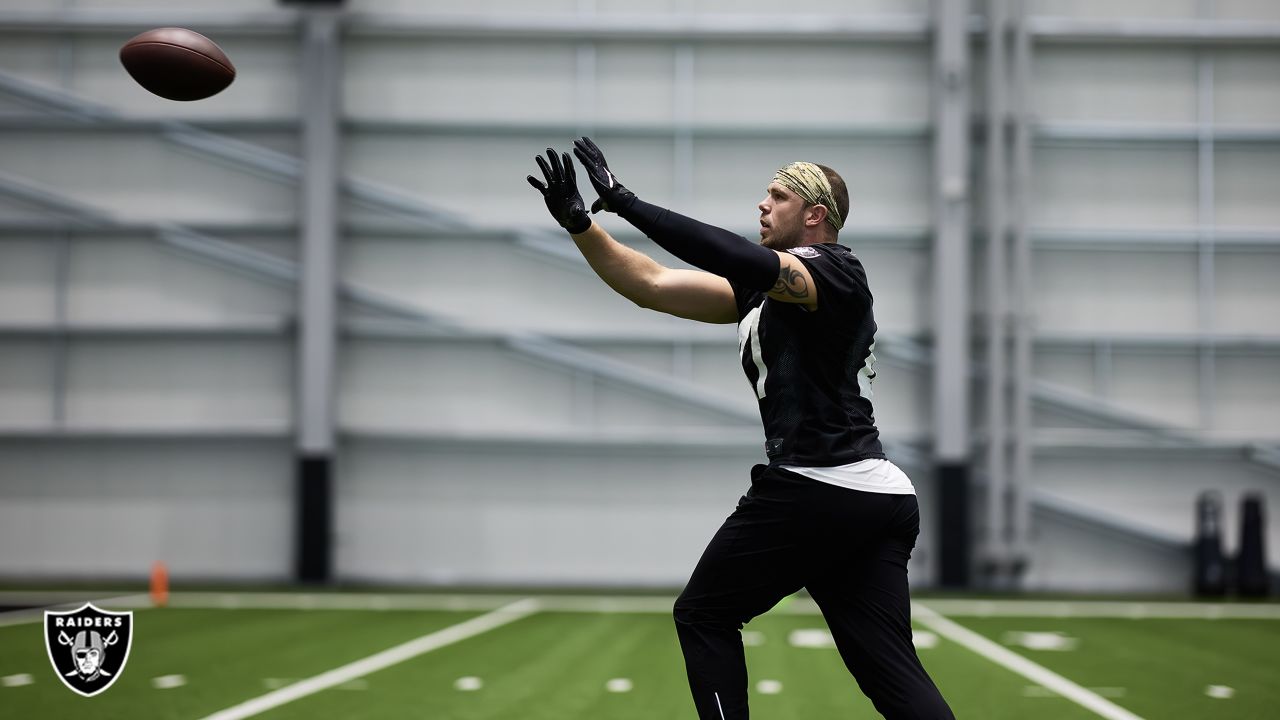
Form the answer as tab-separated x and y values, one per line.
1124	610
339	601
416	601
1008	659
378	661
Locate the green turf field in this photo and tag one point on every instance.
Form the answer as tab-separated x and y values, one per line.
568	657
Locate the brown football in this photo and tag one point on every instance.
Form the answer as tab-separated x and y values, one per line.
177	64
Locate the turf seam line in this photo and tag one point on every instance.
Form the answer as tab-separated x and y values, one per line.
381	660
481	602
1013	661
36	614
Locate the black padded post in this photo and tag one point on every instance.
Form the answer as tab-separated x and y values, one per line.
954	545
315	519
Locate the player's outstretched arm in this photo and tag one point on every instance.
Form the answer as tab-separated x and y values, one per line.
689	294
713	249
632	274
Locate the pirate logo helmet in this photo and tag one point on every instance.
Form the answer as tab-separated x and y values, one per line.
89	651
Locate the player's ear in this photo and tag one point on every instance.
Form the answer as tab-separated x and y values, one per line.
815	215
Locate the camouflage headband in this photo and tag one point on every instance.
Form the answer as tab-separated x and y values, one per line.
810	183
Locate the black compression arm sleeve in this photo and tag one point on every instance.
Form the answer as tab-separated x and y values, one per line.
713	249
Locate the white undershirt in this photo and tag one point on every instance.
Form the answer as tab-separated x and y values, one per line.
875	475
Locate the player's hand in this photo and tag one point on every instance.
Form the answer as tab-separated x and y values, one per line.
613	196
561	192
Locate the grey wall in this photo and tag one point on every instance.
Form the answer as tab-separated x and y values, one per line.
148	390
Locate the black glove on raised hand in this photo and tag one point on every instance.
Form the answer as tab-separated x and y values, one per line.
561	192
613	196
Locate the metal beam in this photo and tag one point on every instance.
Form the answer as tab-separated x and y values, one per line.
1045	133
542	243
675	27
252	157
1173	239
755	27
878	131
1104	414
285	271
1206	221
951	232
1054	506
995	550
904	449
717	440
265	431
1264	454
317	287
655	439
1176	239
1023	379
48	122
1091	133
128	21
1127	442
1188	31
71	214
48	227
1171	342
61	292
274	327
696	335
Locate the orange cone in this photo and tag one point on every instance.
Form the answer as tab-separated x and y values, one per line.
159	584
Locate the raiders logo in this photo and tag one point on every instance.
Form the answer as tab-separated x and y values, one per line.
804	252
88	647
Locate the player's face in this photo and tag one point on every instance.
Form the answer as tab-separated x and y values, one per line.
87	661
781	218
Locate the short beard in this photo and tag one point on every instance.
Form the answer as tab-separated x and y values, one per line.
781	241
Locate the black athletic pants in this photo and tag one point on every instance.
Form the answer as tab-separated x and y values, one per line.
849	549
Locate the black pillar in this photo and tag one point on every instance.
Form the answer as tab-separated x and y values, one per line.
954	547
1210	574
315	519
1252	579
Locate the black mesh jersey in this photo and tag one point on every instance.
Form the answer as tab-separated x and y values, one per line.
812	370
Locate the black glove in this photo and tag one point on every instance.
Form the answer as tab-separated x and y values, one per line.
613	196
561	192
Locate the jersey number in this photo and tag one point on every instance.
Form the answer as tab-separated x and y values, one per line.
749	338
867	374
749	335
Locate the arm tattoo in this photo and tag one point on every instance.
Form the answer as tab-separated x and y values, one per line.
791	282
